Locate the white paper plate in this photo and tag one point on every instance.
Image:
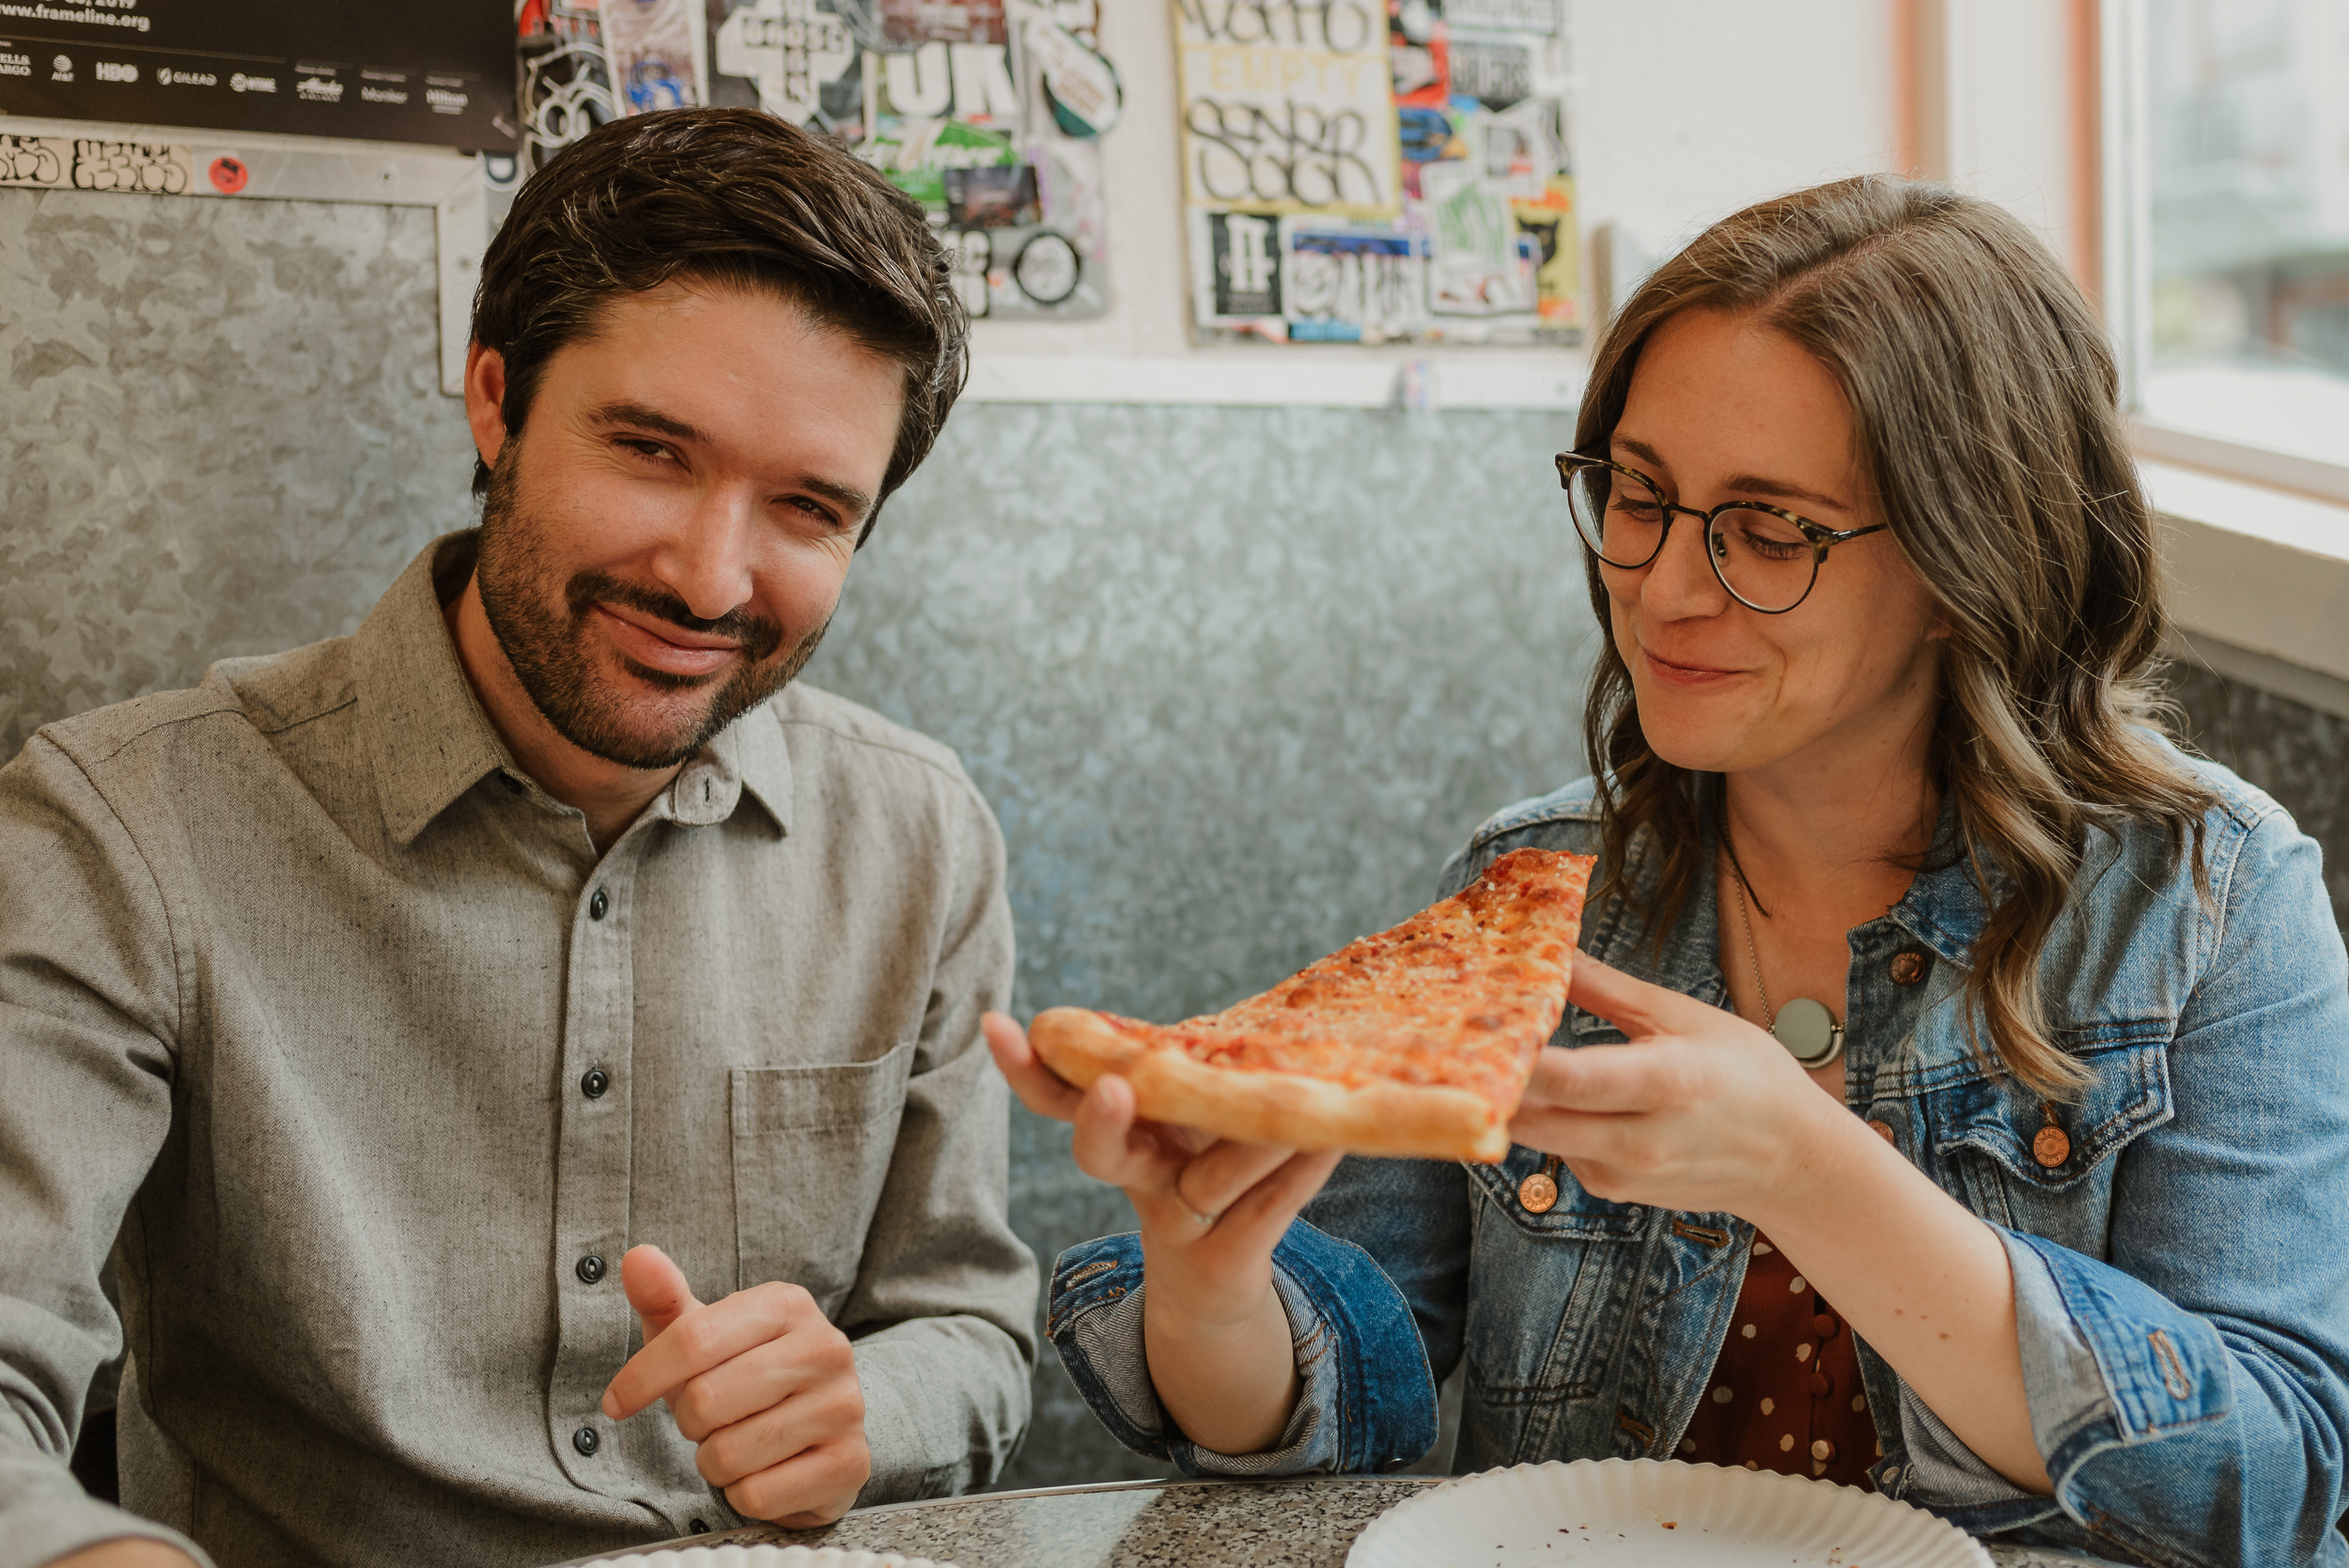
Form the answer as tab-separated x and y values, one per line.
1662	1513
767	1556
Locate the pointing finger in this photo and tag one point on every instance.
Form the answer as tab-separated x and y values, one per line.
655	1288
705	1338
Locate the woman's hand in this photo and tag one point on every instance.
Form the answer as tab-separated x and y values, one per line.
1701	1110
1211	1211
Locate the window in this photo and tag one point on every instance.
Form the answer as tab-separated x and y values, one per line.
2240	313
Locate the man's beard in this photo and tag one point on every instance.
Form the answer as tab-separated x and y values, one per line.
543	626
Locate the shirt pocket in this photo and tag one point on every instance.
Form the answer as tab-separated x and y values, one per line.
812	1149
2047	1167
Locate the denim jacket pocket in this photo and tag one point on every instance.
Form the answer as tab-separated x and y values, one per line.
1576	1213
2045	1166
1574	1258
812	1147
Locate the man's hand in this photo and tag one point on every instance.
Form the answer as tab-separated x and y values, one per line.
760	1382
131	1551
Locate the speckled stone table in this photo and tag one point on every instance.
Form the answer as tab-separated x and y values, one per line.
1154	1524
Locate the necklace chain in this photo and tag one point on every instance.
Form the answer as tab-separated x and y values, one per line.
1834	1048
1745	918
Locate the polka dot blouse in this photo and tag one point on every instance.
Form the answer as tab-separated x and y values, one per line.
1785	1392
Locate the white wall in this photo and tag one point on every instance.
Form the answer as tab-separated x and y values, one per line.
1692	109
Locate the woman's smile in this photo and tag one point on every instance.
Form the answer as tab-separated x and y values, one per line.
1685	671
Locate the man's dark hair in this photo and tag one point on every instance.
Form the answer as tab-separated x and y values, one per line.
733	197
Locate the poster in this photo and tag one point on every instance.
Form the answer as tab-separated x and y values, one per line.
1373	171
988	111
97	163
438	71
653	52
563	77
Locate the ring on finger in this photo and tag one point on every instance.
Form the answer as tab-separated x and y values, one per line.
1205	1221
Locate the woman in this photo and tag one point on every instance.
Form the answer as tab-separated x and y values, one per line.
2033	1211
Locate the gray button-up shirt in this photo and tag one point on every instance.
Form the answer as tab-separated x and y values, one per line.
302	984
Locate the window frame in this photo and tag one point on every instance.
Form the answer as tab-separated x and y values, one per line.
2124	127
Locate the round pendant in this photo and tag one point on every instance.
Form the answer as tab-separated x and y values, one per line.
1809	1032
1537	1193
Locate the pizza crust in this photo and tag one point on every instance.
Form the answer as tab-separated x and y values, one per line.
1288	1109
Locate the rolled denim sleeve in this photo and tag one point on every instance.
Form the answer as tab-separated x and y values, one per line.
1366	1403
1935	1468
2190	1392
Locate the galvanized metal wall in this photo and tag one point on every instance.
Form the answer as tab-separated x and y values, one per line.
1236	681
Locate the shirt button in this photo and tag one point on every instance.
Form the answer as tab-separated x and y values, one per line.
598	905
513	785
1821	1451
593	1082
1821	1384
590	1269
1824	1326
1908	967
699	1527
585	1440
1884	1130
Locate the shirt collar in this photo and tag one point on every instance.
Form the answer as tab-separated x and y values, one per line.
1945	907
431	742
422	724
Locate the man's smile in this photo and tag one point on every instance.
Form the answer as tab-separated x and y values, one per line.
660	645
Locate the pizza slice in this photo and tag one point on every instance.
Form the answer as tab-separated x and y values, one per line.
1416	1041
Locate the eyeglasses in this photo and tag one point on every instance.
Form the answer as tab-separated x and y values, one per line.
1765	556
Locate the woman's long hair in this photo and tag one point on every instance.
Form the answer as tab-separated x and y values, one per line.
1985	410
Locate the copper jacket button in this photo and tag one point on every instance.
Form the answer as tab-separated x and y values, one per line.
1884	1130
1908	967
2051	1148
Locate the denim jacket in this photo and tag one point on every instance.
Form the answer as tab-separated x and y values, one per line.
2181	1275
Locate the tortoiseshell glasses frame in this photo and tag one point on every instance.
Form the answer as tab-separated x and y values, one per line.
1738	541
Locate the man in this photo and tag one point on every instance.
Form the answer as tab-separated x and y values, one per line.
441	1013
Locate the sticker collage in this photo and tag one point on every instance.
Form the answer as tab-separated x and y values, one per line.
1353	171
1369	171
988	111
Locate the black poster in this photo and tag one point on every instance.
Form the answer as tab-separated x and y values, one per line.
1245	251
397	71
